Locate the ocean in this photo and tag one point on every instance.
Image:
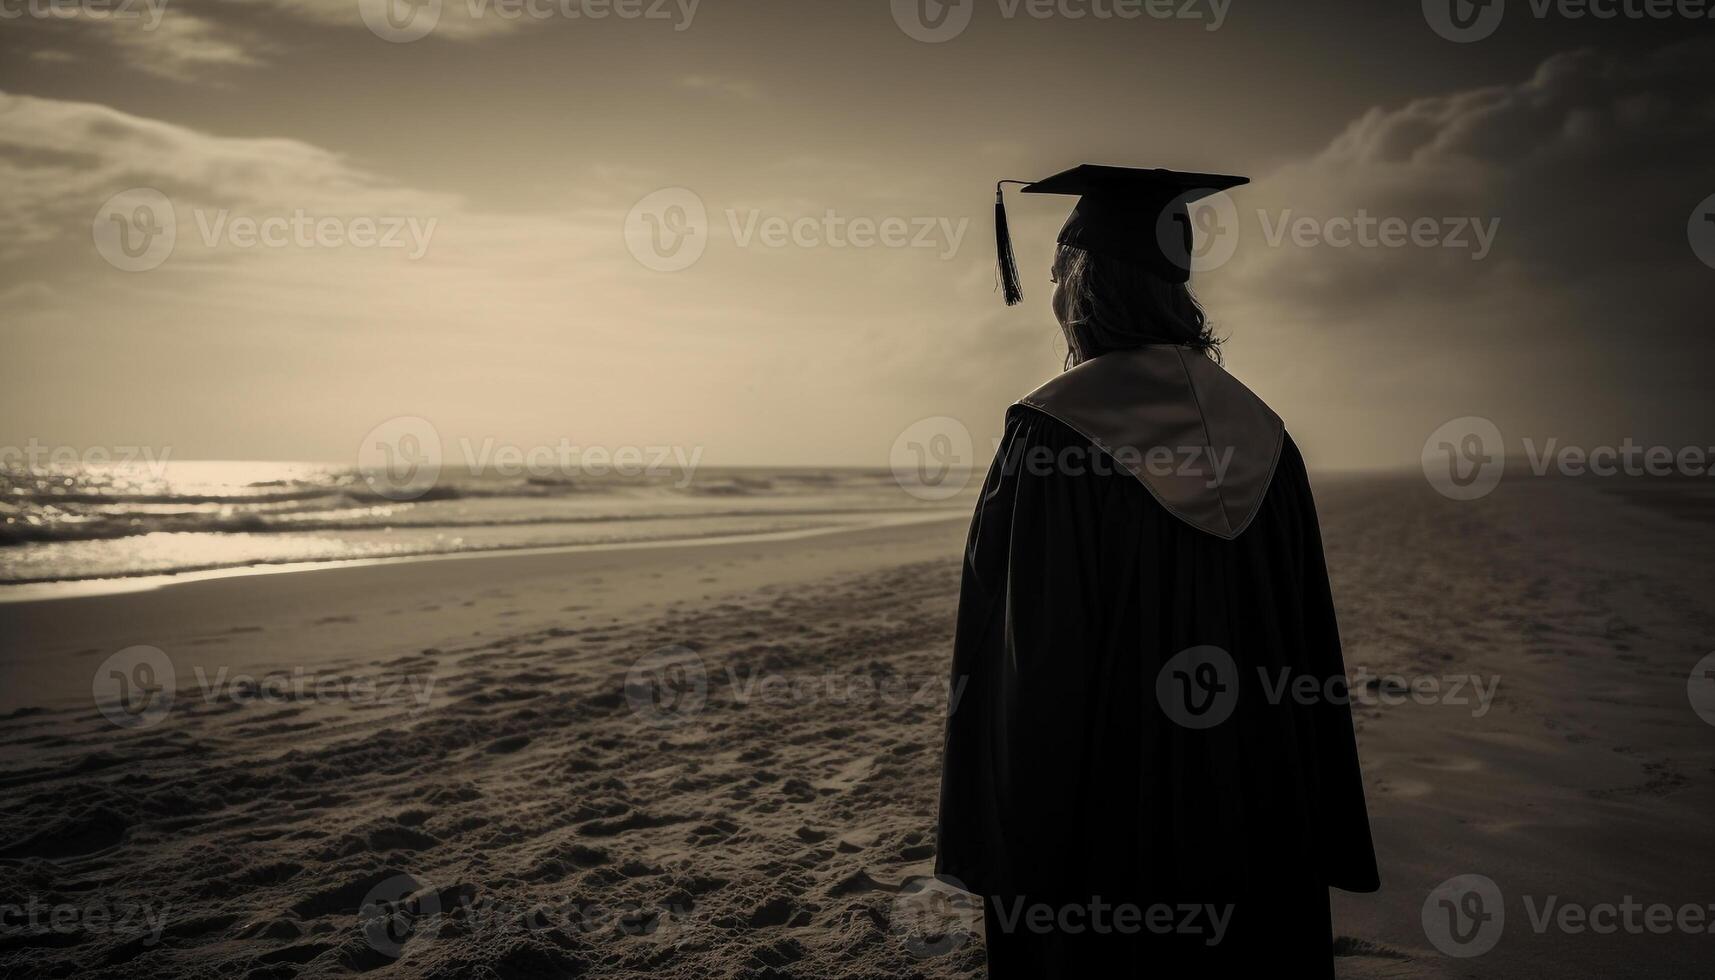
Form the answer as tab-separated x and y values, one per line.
111	520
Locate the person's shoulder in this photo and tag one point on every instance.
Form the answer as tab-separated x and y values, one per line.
1203	444
1141	377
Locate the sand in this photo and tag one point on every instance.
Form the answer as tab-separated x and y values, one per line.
721	760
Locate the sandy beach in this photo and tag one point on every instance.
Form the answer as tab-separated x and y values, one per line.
721	759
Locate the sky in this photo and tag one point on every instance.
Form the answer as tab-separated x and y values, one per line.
764	229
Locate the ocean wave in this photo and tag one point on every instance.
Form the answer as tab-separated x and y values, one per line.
356	494
59	523
114	528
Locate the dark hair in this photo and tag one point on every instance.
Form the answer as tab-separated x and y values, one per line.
1113	305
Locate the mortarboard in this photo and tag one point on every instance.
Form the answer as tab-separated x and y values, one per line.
1122	213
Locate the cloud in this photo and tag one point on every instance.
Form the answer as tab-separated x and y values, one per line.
61	159
150	37
1591	166
542	318
1588	171
183	48
528	326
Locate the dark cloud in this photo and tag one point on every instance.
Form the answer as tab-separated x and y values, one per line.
1591	167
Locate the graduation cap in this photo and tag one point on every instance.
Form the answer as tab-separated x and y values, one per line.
1123	213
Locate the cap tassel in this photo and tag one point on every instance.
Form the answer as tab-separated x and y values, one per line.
1009	287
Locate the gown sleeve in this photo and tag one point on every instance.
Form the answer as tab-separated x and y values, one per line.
1033	601
1344	834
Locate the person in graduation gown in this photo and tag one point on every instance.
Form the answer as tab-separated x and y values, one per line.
1152	768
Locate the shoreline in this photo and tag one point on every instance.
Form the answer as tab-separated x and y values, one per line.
329	611
48	590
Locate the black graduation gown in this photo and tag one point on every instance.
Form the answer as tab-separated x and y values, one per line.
1076	768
